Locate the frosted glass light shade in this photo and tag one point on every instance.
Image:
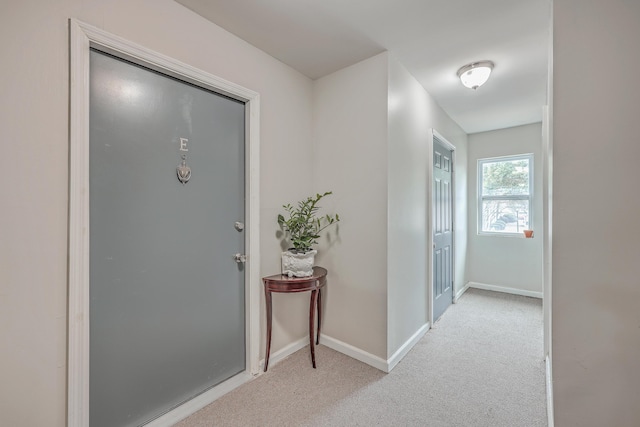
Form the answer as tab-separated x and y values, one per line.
475	74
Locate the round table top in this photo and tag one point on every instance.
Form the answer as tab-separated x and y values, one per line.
318	272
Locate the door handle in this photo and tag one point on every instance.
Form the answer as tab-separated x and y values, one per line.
240	258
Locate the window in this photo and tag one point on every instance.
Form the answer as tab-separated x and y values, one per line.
505	190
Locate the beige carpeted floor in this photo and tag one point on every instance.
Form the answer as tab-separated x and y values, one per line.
480	365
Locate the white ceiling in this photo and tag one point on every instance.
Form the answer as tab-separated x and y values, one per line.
431	38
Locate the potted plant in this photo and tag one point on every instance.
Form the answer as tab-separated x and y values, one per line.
303	226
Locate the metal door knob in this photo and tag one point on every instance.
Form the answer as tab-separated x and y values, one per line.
240	258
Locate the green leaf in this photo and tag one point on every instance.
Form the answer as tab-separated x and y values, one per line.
302	225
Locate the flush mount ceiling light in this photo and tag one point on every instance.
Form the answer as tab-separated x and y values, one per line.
475	74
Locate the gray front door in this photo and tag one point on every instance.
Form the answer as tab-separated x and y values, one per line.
442	229
167	309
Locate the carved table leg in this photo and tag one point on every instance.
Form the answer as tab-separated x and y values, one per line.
319	315
312	309
267	295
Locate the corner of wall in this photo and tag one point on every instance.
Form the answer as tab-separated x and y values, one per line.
350	159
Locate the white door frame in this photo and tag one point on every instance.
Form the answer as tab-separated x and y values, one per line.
430	221
82	38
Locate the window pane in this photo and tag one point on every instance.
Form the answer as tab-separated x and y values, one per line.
505	178
505	216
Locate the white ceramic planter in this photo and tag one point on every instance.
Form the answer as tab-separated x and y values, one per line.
298	264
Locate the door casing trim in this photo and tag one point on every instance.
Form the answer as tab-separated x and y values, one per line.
82	38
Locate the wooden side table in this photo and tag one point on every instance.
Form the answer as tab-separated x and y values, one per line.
285	284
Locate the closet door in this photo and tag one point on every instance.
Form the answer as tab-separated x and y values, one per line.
443	229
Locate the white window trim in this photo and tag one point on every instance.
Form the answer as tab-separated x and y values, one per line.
527	156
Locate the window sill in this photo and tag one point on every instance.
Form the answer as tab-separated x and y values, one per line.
515	235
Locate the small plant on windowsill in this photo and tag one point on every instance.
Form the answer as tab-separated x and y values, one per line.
303	226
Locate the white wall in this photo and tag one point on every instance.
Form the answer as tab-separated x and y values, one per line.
510	262
412	114
596	250
34	119
372	124
350	159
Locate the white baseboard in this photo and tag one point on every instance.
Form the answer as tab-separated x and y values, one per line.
199	402
408	345
284	352
506	290
370	359
460	292
549	392
354	352
332	343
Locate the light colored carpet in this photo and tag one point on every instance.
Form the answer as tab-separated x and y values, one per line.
480	365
